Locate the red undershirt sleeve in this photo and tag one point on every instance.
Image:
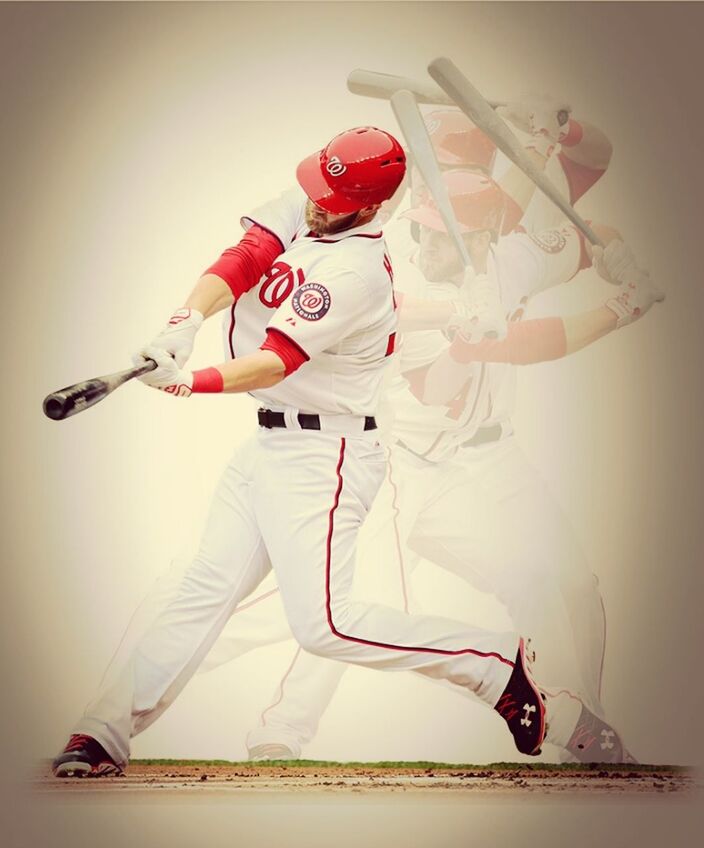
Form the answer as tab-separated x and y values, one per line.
512	215
242	266
584	259
527	342
286	349
580	178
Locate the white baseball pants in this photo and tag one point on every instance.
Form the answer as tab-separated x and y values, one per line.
488	517
294	500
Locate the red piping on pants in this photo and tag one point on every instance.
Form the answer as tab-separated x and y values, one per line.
328	610
399	549
262	717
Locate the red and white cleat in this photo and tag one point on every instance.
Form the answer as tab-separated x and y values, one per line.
84	756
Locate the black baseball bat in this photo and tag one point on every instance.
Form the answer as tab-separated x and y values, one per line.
79	396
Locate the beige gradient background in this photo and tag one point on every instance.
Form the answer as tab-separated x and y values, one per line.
133	138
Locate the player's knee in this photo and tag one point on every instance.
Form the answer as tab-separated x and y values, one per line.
314	636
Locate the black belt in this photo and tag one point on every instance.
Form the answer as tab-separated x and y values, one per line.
483	436
307	420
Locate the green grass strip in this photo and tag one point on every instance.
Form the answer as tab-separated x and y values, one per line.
422	765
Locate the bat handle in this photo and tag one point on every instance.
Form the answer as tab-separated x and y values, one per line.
139	370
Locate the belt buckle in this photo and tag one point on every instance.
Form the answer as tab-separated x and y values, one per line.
265	418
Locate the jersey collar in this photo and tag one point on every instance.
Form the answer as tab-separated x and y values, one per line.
370	230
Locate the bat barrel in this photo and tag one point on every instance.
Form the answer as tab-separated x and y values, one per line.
73	399
79	396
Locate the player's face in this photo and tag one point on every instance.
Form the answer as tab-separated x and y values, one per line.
324	223
438	259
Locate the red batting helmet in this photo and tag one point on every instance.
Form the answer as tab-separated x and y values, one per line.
457	141
479	204
360	167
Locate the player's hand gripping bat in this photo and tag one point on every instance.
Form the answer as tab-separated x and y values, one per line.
73	399
421	147
382	86
473	104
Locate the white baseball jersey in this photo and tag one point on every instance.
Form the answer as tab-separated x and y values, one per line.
523	265
336	306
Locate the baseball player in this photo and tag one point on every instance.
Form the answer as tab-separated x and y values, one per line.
459	480
315	317
574	154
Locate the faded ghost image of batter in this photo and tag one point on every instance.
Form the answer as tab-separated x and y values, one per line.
458	481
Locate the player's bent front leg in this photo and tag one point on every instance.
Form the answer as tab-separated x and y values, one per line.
230	563
311	535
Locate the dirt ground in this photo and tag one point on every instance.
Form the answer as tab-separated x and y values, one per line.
306	804
302	776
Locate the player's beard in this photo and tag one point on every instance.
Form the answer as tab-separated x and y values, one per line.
435	270
437	257
323	224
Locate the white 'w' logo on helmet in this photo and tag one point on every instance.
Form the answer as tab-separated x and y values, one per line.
334	167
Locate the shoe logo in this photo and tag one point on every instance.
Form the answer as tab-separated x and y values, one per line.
528	709
582	738
506	707
607	736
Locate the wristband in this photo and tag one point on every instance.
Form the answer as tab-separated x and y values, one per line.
574	134
208	381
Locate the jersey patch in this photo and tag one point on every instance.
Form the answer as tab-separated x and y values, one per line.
311	301
551	241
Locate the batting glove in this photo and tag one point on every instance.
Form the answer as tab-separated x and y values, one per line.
542	144
167	376
635	298
479	314
178	335
615	263
538	114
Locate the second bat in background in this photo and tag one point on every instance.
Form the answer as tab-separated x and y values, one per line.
382	86
483	306
478	109
421	147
